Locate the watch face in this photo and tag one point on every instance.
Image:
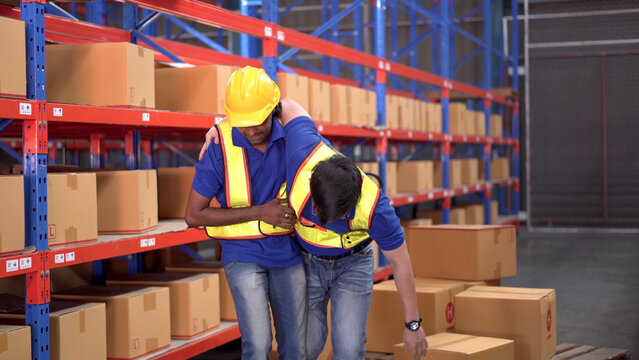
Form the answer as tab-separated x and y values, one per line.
414	325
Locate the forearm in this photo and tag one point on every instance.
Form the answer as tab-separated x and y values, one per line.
220	217
405	281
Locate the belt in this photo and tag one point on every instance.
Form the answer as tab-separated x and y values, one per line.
357	248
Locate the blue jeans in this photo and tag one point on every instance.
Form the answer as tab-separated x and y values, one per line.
253	287
348	283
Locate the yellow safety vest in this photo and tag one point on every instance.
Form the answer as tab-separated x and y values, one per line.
313	233
238	193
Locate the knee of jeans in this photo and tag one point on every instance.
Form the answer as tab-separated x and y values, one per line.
346	350
257	344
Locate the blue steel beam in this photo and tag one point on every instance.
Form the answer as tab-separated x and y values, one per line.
148	18
290	7
155	46
324	16
421	11
14	154
468	57
425	35
269	60
305	64
469	14
392	6
477	41
515	85
198	35
445	100
413	37
326	25
179	152
358	28
436	56
54	9
287	69
380	51
129	16
4	123
95	12
333	36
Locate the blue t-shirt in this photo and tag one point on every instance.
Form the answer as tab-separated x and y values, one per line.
301	138
267	173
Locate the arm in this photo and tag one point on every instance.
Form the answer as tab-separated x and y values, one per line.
415	341
291	110
198	213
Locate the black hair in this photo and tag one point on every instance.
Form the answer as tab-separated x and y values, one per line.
277	110
336	184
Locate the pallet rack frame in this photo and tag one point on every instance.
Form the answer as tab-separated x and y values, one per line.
35	114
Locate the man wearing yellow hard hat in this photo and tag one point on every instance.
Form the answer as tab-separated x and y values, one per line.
261	258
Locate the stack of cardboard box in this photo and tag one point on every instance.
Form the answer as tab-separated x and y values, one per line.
13	68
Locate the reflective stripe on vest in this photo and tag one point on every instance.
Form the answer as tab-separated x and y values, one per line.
313	233
238	192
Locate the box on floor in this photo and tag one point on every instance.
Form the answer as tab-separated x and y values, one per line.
447	346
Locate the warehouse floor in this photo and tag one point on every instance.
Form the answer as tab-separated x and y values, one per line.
597	280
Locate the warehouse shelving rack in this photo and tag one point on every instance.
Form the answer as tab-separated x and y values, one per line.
37	120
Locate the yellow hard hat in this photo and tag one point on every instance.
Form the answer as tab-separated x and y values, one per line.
251	95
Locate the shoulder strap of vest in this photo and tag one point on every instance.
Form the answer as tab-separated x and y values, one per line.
236	171
301	189
366	205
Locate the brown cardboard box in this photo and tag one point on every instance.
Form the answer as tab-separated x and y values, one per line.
174	186
227	306
500	169
455	173
73	213
13	68
199	89
295	87
16	342
392	111
369	108
195	299
345	104
480	123
494	211
421	114
447	346
77	330
434	215
424	281
434	117
458	216
409	225
457	118
414	176
11	214
470	123
496	125
527	316
127	201
116	74
391	178
138	319
470	171
407	118
386	317
471	252
319	96
475	214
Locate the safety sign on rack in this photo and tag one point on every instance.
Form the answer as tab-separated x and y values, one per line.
12	265
57	112
70	256
25	263
59	258
146	116
25	109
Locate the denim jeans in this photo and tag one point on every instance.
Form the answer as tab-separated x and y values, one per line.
348	283
253	287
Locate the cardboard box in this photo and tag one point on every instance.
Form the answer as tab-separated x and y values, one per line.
414	176
16	342
13	68
469	171
107	74
496	125
195	299
500	169
469	122
73	212
457	119
11	214
421	115
475	214
127	201
434	117
227	306
424	281
77	330
319	100
174	187
386	317
471	252
527	316
391	178
295	87
447	346
407	224
345	104
494	211
138	319
199	89
458	216
369	108
480	123
455	173
392	111
434	215
407	116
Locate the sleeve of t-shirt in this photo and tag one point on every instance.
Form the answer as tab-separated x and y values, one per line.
301	138
386	229
208	179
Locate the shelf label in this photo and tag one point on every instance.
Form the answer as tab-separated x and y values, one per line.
410	199
430	136
320	127
388	66
452	193
410	134
268	31
57	112
380	64
465	189
465	138
25	263
12	265
280	35
431	196
144	243
70	256
152	242
146	116
25	109
59	258
219	119
448	84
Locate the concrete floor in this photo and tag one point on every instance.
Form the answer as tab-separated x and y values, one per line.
597	281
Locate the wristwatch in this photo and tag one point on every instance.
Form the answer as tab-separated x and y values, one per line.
414	325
